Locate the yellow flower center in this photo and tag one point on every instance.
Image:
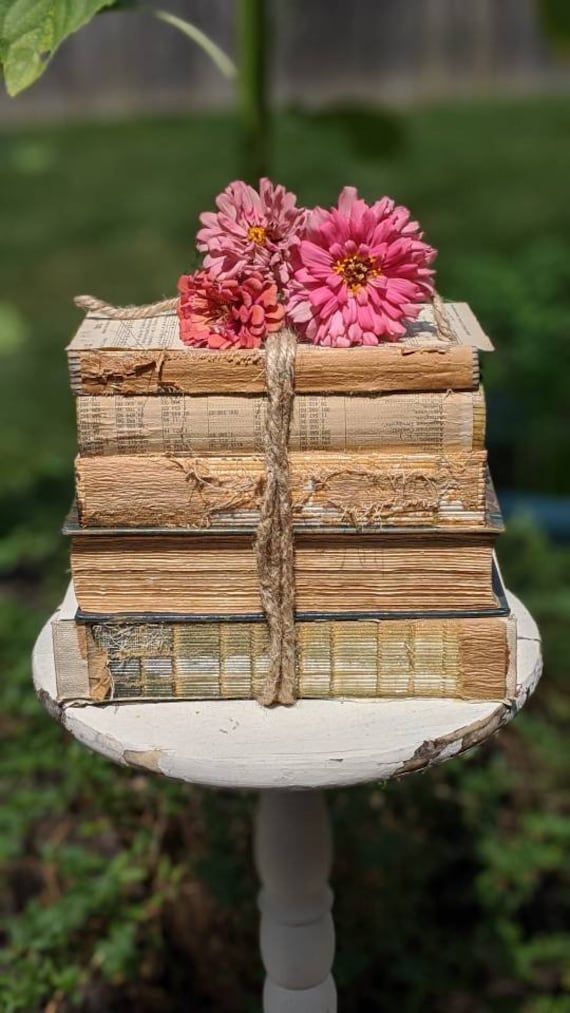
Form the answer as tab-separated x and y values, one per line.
256	234
356	270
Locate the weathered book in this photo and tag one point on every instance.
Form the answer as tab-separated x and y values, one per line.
147	357
104	661
212	574
184	424
329	488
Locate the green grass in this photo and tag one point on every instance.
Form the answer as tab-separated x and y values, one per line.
123	890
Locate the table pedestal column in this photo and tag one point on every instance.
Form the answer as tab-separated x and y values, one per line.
293	853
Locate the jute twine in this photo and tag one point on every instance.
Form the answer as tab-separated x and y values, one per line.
155	309
90	304
441	318
274	545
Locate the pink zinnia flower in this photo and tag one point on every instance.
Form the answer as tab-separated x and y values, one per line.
252	230
227	313
360	271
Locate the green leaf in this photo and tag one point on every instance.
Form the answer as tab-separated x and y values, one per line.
211	48
32	30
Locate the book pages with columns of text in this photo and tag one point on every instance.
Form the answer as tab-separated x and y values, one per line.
452	420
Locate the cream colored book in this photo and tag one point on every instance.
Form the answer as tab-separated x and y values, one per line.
146	356
458	657
352	573
170	424
329	489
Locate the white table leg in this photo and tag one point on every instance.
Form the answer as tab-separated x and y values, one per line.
293	853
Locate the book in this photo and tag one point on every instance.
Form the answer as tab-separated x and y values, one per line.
146	356
211	574
106	661
329	488
175	424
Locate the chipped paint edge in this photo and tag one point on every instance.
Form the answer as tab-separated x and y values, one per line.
289	772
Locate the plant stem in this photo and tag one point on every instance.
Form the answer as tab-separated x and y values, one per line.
254	105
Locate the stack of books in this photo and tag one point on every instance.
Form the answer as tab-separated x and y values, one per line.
396	588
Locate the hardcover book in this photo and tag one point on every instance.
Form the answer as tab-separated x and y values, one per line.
147	356
184	424
164	571
470	658
208	574
328	488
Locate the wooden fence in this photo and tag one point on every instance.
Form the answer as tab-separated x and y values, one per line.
322	51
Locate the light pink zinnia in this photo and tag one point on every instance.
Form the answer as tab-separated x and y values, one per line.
230	313
360	271
252	231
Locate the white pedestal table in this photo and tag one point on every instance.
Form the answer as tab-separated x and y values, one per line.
290	755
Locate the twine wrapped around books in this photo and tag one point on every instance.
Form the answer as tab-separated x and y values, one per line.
274	545
91	304
440	318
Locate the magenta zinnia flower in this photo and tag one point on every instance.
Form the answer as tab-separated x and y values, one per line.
252	230
360	271
227	313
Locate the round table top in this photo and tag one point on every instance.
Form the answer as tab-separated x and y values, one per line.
315	744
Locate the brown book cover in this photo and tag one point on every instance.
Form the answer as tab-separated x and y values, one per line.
353	489
146	356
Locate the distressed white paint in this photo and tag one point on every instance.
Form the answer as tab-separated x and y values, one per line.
311	745
316	743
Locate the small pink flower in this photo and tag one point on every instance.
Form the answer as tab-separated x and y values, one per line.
360	271
227	313
252	231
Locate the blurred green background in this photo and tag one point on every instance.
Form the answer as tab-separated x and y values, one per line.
126	892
